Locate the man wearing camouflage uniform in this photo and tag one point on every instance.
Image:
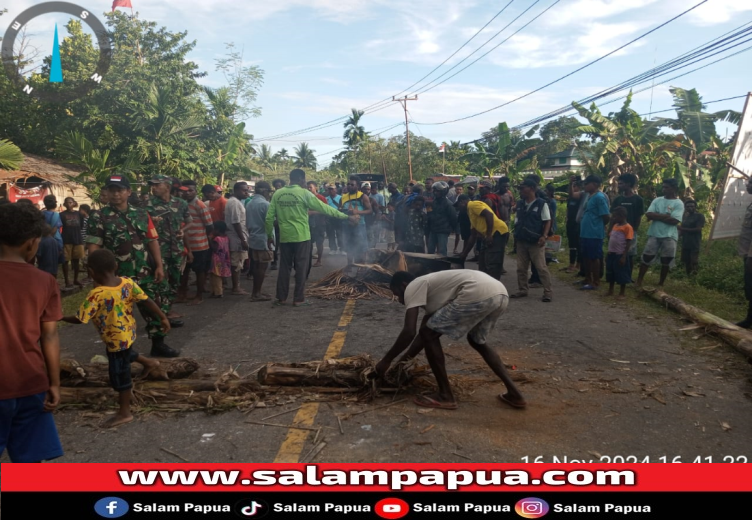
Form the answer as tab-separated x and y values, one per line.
129	233
169	215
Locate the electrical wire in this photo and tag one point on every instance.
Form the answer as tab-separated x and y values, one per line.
446	60
387	102
570	109
589	64
424	89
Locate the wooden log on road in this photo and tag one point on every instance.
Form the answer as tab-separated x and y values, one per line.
327	376
72	373
737	337
194	391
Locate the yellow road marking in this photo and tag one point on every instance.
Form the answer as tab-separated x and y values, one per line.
295	440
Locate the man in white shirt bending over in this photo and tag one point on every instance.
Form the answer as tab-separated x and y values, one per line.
458	302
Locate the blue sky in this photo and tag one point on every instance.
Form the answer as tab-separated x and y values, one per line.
322	57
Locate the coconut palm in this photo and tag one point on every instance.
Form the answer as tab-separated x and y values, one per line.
265	156
10	155
282	156
166	119
305	157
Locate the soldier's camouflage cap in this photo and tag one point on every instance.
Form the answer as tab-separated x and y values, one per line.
160	179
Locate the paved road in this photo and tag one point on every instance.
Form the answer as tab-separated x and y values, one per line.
604	381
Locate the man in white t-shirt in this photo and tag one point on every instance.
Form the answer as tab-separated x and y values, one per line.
458	302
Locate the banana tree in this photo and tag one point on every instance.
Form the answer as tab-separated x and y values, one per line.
621	134
697	126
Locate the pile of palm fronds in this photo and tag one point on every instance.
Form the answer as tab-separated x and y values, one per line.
358	281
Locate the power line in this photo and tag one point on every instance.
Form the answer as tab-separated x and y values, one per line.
570	73
424	89
385	103
449	58
677	63
704	103
570	109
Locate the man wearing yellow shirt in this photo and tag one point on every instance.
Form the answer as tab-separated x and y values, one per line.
488	228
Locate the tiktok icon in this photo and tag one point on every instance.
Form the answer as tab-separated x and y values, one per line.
251	508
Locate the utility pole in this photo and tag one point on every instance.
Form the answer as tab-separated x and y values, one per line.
403	101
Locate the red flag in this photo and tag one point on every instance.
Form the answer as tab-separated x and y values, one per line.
121	3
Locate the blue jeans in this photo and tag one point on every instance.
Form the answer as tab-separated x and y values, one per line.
438	240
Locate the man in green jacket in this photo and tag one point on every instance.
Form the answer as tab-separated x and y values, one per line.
290	206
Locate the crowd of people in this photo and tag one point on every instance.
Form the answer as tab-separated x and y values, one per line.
140	253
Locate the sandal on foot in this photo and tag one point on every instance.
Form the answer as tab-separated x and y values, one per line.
503	399
429	402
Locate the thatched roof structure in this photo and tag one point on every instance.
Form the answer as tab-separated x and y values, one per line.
43	168
44	176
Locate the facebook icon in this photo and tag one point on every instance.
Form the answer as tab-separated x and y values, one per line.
111	507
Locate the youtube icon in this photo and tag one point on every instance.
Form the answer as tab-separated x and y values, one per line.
391	508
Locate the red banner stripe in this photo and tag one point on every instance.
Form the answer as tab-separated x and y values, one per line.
404	477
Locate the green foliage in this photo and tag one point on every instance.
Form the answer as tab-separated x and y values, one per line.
305	157
10	155
150	106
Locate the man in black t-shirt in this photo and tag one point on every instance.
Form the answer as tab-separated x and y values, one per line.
690	232
73	243
635	207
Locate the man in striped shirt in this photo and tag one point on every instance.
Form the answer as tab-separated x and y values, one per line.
197	240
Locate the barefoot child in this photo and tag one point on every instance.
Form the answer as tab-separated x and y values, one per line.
110	307
620	240
221	267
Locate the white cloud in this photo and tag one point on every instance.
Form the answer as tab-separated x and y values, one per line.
590	42
719	11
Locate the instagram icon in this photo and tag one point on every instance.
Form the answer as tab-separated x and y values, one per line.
531	507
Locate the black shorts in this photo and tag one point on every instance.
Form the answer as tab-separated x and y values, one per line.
201	261
120	369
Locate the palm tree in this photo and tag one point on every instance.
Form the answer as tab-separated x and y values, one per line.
265	156
166	119
305	157
73	147
282	155
10	155
354	133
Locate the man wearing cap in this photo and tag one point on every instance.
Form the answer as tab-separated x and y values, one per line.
169	215
442	220
489	229
531	227
129	233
